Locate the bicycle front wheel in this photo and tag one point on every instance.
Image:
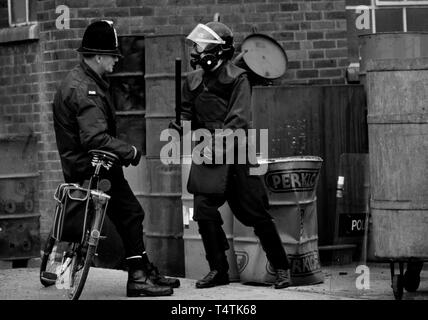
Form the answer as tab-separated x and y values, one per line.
79	268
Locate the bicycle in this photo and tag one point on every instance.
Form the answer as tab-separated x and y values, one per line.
70	270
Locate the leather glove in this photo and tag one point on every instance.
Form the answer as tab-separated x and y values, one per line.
137	157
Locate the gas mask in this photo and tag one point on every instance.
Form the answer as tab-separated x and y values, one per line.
207	60
208	47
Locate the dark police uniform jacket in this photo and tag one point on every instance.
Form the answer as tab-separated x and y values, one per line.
84	119
215	100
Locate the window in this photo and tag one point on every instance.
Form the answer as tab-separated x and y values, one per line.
128	91
417	19
21	12
389	20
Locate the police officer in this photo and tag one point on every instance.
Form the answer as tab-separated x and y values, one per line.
84	119
218	96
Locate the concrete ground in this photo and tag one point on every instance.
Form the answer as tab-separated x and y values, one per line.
340	283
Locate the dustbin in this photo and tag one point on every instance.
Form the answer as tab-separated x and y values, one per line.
291	186
195	263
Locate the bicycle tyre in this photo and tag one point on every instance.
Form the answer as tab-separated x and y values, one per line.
79	276
47	278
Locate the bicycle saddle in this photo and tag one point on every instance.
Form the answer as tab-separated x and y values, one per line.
104	156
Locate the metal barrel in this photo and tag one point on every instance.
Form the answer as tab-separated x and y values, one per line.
196	265
19	205
390	45
291	184
161	196
398	143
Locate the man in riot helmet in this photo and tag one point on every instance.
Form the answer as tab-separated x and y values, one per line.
84	119
217	95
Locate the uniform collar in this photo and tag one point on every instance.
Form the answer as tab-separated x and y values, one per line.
101	81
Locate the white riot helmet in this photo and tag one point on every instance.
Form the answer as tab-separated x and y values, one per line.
212	41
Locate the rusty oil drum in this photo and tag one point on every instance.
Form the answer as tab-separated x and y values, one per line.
390	45
398	142
161	188
291	184
19	217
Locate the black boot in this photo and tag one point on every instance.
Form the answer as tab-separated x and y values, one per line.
275	253
412	276
215	244
159	279
282	279
212	279
140	284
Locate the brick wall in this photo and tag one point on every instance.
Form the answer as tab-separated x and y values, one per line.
313	33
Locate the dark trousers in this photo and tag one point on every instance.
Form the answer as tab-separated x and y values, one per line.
246	197
125	212
127	215
248	200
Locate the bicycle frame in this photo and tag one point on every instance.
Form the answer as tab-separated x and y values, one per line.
99	201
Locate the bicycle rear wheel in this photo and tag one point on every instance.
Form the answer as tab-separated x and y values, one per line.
79	269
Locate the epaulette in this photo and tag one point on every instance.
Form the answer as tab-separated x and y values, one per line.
92	90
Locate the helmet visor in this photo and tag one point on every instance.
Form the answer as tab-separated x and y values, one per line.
202	36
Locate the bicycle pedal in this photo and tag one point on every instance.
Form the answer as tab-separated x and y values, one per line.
102	237
49	276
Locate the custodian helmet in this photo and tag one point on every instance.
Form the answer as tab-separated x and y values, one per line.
100	37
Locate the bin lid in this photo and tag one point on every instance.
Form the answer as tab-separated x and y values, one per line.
264	56
291	159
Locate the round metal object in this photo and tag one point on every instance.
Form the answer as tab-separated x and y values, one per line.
264	56
105	185
95	234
